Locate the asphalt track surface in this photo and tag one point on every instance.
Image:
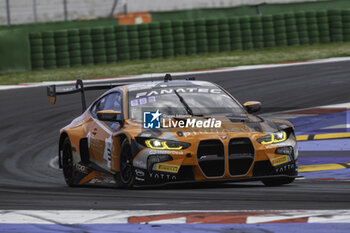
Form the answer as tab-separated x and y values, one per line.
29	136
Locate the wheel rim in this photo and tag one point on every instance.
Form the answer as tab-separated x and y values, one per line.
67	162
126	168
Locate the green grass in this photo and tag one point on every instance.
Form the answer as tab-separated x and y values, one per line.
186	63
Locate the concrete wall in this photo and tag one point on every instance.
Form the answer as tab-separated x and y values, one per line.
169	5
22	11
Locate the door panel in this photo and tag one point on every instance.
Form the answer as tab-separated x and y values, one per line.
101	145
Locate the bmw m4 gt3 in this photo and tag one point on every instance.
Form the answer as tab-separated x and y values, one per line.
173	131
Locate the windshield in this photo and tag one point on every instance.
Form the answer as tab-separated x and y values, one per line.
202	101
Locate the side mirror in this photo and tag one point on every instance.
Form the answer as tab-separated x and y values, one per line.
110	115
252	106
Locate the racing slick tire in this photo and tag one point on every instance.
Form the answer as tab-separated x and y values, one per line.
278	181
125	178
67	163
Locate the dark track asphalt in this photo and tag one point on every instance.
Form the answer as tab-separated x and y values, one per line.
29	134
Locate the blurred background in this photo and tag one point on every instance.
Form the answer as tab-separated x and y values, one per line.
50	34
28	11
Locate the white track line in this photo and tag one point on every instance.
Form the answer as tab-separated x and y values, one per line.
160	75
53	163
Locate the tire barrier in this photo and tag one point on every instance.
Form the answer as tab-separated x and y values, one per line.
346	25
110	44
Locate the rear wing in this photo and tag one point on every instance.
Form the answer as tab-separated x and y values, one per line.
79	88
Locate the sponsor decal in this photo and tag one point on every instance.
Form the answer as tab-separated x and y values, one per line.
165	152
179	90
285	168
147	135
280	160
164	167
140	179
81	168
107	154
102	180
139	173
160	176
142	101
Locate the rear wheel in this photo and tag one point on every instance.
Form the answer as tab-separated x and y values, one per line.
125	178
67	163
278	181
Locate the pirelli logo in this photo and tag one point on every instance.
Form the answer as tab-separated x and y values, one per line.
164	167
279	160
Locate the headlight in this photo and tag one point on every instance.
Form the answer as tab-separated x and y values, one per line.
271	138
160	144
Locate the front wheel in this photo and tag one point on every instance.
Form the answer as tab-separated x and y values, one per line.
125	178
278	181
67	163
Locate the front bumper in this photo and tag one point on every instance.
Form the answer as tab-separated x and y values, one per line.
261	170
217	160
216	181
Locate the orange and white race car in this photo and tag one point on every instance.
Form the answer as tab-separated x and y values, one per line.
173	131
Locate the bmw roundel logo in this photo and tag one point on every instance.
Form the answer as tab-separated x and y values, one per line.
223	137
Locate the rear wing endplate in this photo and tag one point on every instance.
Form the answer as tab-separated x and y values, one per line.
79	88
